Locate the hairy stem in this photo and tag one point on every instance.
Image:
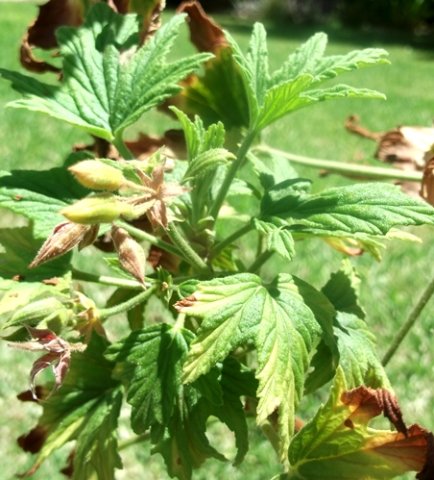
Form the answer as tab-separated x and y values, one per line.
127	305
344	168
257	264
106	280
408	324
230	174
122	148
187	252
229	240
148	237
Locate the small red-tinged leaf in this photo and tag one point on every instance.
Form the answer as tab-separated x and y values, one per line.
160	195
338	442
58	355
64	238
84	410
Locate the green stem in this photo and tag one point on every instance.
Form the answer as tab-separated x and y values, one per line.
411	320
229	240
133	441
147	237
106	280
127	305
230	174
187	252
122	148
257	264
346	168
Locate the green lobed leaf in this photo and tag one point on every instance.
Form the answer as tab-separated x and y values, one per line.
16	299
325	360
282	99
150	362
278	239
338	91
367	209
358	354
239	309
19	247
303	60
207	162
342	289
97	446
104	89
332	66
41	209
338	443
218	94
85	409
270	97
355	342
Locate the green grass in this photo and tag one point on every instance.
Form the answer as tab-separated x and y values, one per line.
390	288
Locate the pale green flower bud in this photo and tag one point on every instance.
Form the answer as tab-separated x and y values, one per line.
97	175
93	210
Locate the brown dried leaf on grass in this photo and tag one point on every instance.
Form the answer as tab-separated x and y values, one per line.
404	147
427	188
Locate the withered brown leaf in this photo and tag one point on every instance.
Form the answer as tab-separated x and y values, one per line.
65	237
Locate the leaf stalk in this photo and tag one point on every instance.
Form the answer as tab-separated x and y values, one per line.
123	150
232	238
230	174
148	237
344	168
409	323
257	264
106	280
187	251
105	313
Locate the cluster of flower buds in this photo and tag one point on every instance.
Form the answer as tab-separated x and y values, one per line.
147	194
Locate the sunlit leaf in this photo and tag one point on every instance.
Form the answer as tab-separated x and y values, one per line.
240	309
84	409
121	87
367	209
338	443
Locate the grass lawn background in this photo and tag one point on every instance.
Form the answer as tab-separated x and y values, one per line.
389	290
